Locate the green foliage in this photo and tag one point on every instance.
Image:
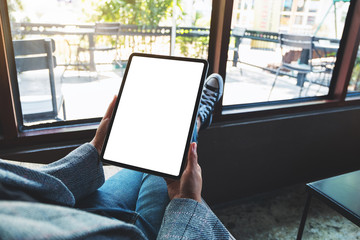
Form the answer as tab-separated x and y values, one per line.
148	13
142	13
355	76
193	46
196	47
14	6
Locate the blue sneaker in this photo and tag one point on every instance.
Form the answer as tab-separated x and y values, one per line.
212	92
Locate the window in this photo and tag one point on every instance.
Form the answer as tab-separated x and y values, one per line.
285	20
314	5
300	5
298	20
310	20
90	47
239	4
287	5
253	73
248	60
238	17
354	85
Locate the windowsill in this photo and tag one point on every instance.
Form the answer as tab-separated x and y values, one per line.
233	113
59	130
42	145
79	132
251	108
281	109
50	137
237	117
352	97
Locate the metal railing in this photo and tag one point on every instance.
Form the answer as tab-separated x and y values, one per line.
263	38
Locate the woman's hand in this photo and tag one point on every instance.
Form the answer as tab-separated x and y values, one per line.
190	183
99	138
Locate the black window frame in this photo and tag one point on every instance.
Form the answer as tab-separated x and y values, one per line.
337	96
17	140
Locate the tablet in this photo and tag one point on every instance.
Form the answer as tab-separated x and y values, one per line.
153	120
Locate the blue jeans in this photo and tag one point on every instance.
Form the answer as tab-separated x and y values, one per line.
133	197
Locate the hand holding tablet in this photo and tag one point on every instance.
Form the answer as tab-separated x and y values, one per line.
153	120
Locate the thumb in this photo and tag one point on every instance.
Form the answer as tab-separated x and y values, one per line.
104	124
100	134
192	157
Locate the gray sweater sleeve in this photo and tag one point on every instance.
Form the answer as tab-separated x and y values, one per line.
80	171
189	219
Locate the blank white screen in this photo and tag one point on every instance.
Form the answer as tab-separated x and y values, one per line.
154	114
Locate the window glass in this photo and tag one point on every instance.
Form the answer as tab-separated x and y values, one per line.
239	4
260	69
298	20
314	5
287	5
300	5
245	5
310	20
285	20
354	85
83	47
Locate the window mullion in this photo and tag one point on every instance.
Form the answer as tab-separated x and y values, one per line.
219	41
347	53
7	111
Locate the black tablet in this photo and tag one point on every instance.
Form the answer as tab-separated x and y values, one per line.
153	120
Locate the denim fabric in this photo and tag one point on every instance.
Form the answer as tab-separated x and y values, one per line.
132	197
183	219
195	134
28	220
80	171
189	219
75	177
72	177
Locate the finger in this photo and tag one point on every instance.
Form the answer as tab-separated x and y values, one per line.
188	157
192	157
98	140
110	109
104	124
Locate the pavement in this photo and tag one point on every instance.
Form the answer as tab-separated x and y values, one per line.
87	94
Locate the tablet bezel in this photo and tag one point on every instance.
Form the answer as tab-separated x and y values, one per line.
191	127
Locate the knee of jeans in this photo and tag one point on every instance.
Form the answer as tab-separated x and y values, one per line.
148	229
153	186
149	177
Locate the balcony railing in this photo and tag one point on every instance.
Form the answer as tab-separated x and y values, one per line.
264	38
246	43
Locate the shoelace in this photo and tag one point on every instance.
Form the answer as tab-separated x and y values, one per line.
207	103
